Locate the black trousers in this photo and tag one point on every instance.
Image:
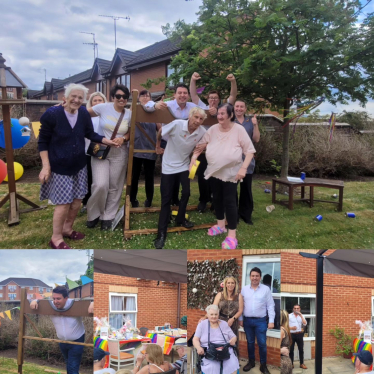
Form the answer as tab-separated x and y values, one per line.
224	200
168	182
299	340
89	180
149	172
246	198
204	185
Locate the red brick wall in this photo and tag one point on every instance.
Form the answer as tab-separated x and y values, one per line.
195	314
154	71
156	304
346	298
5	291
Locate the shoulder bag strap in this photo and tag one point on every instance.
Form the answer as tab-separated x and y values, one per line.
222	333
208	332
117	125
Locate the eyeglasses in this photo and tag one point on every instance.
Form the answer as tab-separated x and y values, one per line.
143	96
213	98
118	97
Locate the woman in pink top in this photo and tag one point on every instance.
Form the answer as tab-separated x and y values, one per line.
225	144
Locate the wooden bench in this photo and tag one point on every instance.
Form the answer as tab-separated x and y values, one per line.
311	183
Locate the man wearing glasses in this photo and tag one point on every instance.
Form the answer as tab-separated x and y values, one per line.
214	100
297	323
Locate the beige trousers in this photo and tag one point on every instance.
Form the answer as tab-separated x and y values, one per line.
108	180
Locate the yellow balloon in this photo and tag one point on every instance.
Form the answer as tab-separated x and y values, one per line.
18	171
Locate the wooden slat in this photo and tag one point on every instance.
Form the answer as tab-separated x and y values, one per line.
21	332
57	341
130	233
79	309
33	325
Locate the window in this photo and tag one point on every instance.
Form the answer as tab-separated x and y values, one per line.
1	287
12	288
31	288
308	310
170	71
1	295
55	96
12	296
125	80
270	268
40	289
122	307
372	310
48	290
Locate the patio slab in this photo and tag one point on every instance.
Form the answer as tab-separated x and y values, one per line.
330	365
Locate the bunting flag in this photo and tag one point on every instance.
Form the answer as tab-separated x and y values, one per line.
153	337
85	280
2	315
7	312
56	285
71	284
332	122
200	90
168	345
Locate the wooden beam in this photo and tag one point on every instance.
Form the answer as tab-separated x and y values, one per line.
33	325
78	309
58	341
21	333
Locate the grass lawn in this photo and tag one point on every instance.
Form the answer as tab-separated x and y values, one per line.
9	365
280	229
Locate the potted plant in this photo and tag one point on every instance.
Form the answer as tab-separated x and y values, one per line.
344	342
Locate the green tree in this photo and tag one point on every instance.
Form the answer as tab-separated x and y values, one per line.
279	50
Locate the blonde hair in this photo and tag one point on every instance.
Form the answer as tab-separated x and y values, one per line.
74	86
89	102
197	110
284	321
155	355
224	292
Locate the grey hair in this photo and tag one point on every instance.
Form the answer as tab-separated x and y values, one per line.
89	102
213	306
75	86
198	110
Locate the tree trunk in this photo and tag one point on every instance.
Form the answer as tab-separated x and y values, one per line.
286	141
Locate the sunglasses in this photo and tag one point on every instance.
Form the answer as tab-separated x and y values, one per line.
118	97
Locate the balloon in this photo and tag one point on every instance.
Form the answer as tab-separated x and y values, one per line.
24	121
3	171
18	140
18	171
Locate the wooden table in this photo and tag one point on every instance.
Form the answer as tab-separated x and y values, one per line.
311	183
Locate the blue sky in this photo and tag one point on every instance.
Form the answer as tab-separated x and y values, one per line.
50	266
42	34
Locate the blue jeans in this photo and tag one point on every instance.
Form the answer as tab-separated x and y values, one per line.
256	328
73	355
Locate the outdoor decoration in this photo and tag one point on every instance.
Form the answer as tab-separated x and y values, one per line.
206	278
3	171
18	171
102	322
332	122
7	313
366	329
18	140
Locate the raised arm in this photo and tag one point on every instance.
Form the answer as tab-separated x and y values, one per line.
256	131
92	113
194	96
234	89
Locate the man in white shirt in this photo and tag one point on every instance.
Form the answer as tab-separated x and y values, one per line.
99	357
214	99
297	323
363	362
67	328
258	303
182	137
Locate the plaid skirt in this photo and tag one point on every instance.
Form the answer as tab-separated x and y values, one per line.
63	189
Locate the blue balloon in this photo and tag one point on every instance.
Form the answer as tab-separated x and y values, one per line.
18	140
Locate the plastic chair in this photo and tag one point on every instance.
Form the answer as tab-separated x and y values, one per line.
120	357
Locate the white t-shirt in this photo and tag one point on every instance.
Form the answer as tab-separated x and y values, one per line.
105	371
68	328
95	123
109	118
181	143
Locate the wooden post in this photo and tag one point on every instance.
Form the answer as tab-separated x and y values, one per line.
22	327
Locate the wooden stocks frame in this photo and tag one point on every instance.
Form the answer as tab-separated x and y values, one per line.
78	309
158	116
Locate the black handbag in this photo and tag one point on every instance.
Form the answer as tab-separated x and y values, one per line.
99	150
217	352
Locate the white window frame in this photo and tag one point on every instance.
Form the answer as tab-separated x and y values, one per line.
1	295
12	288
372	309
40	290
262	258
1	287
304	295
10	297
124	294
31	288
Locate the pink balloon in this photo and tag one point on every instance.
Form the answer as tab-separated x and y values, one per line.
3	171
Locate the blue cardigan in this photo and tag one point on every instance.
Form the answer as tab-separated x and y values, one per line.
65	145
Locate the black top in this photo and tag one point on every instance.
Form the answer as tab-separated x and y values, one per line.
65	145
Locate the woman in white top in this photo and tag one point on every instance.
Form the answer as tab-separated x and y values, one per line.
155	358
108	176
95	98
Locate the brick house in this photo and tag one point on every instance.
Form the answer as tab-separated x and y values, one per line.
10	288
346	299
126	67
269	263
148	303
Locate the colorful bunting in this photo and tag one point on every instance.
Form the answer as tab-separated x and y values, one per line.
2	315
7	312
168	345
85	280
153	337
71	284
